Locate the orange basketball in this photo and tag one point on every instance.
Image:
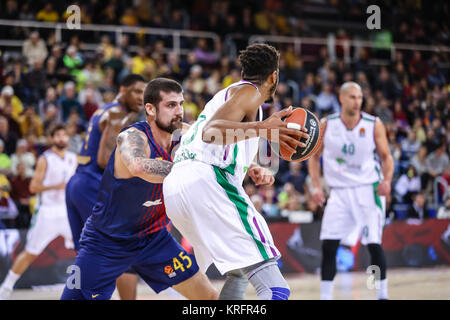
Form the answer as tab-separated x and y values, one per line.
306	119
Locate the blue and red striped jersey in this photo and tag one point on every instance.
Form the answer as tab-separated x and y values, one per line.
130	208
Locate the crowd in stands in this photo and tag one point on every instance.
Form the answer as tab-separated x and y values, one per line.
51	82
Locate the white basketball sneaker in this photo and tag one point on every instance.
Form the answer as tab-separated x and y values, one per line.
5	293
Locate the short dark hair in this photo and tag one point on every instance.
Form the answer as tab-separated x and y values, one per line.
258	61
152	90
55	128
131	79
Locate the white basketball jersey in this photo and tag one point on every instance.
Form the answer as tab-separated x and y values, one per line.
349	156
235	157
58	170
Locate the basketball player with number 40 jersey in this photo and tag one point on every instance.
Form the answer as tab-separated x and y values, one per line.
352	144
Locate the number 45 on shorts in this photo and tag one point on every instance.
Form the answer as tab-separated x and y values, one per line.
184	264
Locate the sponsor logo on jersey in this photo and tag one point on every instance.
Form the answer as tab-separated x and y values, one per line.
152	203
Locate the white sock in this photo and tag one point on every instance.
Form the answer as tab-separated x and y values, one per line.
326	290
10	280
382	292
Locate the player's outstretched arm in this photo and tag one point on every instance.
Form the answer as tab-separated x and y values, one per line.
133	155
387	162
36	185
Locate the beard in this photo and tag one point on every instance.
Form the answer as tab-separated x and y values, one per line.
175	124
60	146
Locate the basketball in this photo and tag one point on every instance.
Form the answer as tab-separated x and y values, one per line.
308	120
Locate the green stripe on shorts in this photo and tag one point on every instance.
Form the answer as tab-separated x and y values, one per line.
241	206
377	197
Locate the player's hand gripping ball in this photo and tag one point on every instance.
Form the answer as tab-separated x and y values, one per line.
303	118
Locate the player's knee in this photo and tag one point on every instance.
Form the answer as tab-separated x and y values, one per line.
268	281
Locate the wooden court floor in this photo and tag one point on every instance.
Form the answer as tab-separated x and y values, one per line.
404	284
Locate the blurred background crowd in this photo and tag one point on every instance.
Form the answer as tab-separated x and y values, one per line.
44	82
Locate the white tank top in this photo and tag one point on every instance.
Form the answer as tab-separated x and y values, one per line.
349	156
235	158
57	171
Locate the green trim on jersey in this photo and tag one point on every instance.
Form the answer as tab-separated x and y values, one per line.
333	117
241	206
377	197
368	119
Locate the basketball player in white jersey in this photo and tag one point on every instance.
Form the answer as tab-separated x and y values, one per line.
53	169
353	141
203	194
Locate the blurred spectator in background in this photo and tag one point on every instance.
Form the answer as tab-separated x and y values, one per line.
8	137
438	160
5	160
69	101
50	100
421	136
23	156
75	141
13	124
410	146
419	161
105	48
143	64
418	210
116	62
91	100
296	176
270	207
48	14
73	61
191	109
51	117
195	83
288	196
20	193
91	75
203	54
36	81
383	111
8	209
8	98
407	185
34	48
444	211
30	121
326	102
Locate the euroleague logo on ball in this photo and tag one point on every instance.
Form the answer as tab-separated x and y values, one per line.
309	120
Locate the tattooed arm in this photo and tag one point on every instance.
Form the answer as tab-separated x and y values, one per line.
111	122
133	156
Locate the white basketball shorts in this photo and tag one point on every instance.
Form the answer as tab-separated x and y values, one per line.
47	224
212	211
354	212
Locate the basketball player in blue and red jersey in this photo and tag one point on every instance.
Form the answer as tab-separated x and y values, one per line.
127	227
98	144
